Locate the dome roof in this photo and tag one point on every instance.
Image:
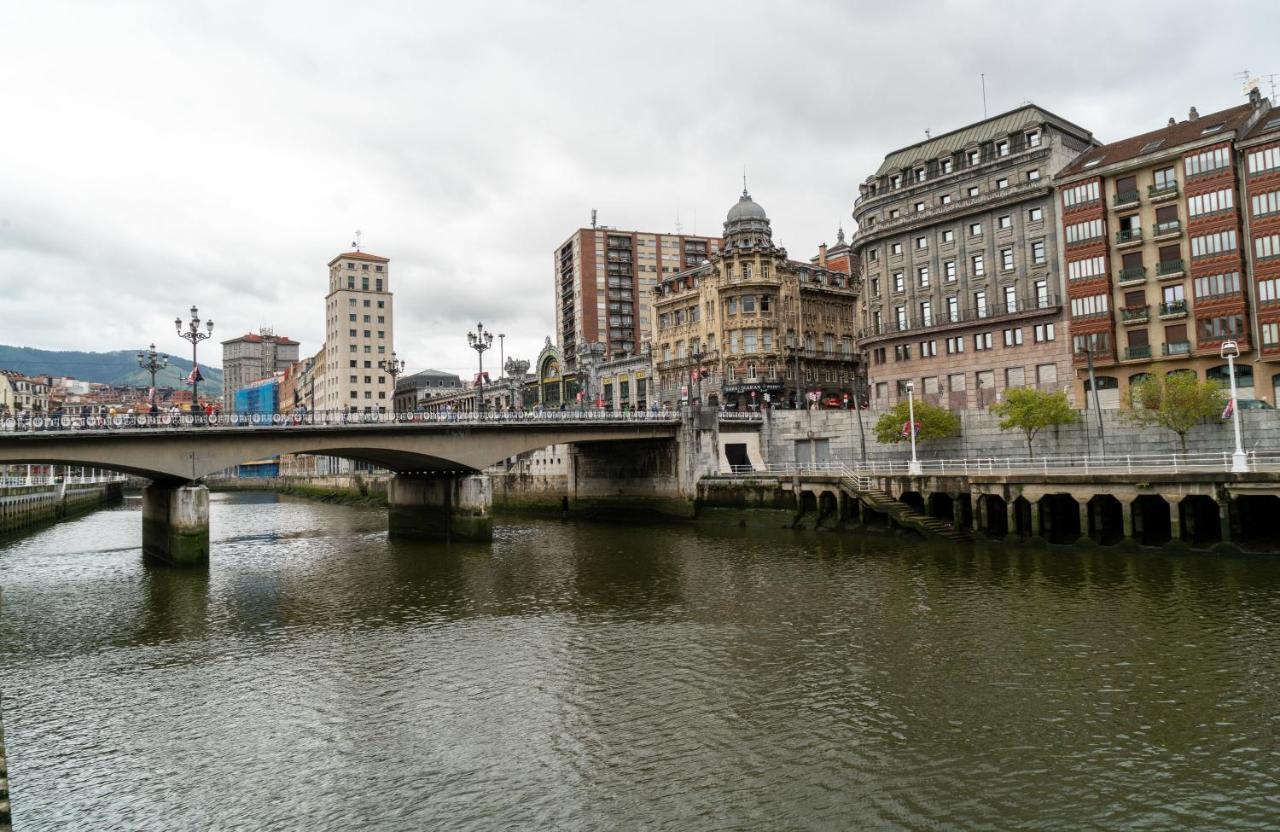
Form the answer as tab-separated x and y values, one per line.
746	209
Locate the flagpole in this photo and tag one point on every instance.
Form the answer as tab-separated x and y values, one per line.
914	469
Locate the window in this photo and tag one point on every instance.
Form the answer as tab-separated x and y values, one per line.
1006	259
919	174
974	157
894	213
955	345
352	317
1264	247
922	277
1002	148
949	236
1014	377
1035	215
1268	203
1042	333
1218	285
749	341
949	271
900	315
381	303
926	313
1010	299
367	334
1005	221
895	181
1037	252
748	304
972	192
1217	328
1033	138
1268	290
1041	288
899	284
1208	161
1080	194
1267	159
953	308
980	304
918	207
1082	231
875	287
1270	334
896	248
922	243
944	166
902	352
1173	294
1013	337
1211	203
1033	175
1001	184
1165	179
1211	244
873	255
975	229
978	265
1047	373
353	333
928	349
1090	307
945	199
982	341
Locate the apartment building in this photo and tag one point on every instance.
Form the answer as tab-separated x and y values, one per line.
604	282
1260	169
252	357
959	252
359	330
1158	270
749	325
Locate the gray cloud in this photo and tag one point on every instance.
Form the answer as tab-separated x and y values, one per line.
221	154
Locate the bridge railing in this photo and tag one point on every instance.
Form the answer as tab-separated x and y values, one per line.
1048	465
163	421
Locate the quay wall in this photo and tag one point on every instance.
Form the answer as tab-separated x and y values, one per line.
27	507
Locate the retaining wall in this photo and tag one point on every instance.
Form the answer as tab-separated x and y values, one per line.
27	507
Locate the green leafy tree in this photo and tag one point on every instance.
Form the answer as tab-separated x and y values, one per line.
1175	402
935	423
1031	411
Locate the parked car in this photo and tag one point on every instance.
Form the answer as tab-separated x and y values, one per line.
1253	404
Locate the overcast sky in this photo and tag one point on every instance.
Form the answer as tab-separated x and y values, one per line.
161	154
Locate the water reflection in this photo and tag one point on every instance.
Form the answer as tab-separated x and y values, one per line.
580	677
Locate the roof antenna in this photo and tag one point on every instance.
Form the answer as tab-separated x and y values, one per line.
984	95
744	180
926	133
356	243
679	230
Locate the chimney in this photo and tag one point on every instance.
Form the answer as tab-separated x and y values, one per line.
1171	121
822	255
1255	98
1193	115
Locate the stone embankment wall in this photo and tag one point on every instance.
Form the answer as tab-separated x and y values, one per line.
30	506
362	489
981	436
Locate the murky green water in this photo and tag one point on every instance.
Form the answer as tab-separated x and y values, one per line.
319	677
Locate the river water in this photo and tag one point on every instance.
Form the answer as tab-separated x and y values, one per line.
318	676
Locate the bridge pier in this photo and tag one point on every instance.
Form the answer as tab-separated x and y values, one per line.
175	524
440	508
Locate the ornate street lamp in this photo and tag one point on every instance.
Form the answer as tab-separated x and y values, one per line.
914	468
392	367
480	341
1231	351
152	362
195	336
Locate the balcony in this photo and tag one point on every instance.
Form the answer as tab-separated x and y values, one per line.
1160	193
1128	237
1168	269
1134	353
1173	309
1126	198
1166	230
1177	348
1135	314
1132	275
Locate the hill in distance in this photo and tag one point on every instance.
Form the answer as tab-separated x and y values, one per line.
119	367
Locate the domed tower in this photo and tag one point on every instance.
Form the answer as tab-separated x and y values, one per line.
747	224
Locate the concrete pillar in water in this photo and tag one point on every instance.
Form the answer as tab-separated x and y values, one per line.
1037	520
1084	517
1175	519
1011	518
440	508
1224	517
175	524
1126	515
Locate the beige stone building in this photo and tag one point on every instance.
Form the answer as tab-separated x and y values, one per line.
358	336
750	325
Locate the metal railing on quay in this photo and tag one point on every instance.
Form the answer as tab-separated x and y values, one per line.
187	421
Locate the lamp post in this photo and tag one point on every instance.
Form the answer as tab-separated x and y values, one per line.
152	362
696	355
502	355
858	388
392	367
480	341
1090	342
914	468
195	336
1231	351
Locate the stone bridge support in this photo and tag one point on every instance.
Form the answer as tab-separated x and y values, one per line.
440	507
175	523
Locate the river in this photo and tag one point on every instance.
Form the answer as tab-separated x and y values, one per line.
321	677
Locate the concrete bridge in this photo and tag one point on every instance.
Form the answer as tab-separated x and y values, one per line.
436	488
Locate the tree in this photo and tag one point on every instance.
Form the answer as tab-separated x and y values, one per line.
1031	411
935	423
1175	402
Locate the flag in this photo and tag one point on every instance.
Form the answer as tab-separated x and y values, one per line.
194	375
906	429
1229	409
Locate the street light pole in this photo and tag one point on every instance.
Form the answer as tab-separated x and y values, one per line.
392	367
195	336
1231	351
857	403
1093	387
914	468
152	362
480	341
502	355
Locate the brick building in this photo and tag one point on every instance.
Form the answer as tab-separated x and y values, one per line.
959	253
1157	260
